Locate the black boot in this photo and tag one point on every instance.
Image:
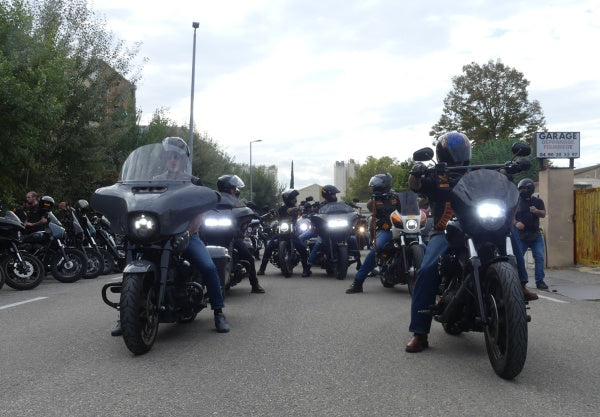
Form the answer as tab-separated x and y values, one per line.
117	331
306	271
355	287
221	323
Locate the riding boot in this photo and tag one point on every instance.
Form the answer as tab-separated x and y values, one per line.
356	287
529	295
263	266
306	270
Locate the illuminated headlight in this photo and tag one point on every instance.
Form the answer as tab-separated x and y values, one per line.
284	227
303	227
492	214
337	223
412	225
217	222
143	226
361	229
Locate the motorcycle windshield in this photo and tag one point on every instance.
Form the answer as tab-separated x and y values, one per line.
409	203
153	163
336	208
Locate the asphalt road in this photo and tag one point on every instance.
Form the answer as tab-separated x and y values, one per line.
304	348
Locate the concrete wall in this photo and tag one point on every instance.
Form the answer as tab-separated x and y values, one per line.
556	189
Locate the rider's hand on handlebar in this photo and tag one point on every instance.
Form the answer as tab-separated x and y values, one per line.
418	170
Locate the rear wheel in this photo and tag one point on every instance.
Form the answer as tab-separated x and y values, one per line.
415	259
138	313
109	261
24	275
70	268
506	331
286	261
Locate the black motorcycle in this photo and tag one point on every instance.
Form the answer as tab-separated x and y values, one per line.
398	261
334	224
219	228
480	288
66	263
78	235
156	217
110	242
20	270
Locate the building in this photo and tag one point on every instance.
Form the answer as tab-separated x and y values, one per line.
587	177
313	191
342	172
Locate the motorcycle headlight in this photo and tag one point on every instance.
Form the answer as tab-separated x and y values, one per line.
337	223
303	227
361	229
217	222
412	225
284	227
491	213
143	226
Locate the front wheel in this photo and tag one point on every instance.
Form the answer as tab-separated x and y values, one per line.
415	259
506	329
286	262
109	261
95	264
24	275
341	270
69	268
138	312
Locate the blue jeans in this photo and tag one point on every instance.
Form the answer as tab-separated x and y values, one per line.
383	237
300	246
352	246
537	250
199	257
520	257
426	287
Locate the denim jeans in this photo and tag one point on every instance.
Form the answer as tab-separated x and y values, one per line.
199	257
537	250
383	237
519	255
428	280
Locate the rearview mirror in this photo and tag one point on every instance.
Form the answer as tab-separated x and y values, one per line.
423	154
520	149
309	198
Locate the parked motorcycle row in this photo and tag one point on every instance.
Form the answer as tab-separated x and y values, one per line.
67	250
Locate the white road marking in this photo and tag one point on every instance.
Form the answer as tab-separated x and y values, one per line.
552	299
22	302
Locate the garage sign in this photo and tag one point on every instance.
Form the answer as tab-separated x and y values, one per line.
557	144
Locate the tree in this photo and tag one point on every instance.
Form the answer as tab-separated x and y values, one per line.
265	188
499	151
359	185
490	102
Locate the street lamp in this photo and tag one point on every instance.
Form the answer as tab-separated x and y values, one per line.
195	25
251	142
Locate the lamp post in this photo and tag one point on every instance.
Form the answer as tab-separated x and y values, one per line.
251	142
195	25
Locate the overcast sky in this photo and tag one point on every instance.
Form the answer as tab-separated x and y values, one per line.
325	80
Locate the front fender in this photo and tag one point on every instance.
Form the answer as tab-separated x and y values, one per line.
140	266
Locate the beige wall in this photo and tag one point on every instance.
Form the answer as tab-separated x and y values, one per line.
556	189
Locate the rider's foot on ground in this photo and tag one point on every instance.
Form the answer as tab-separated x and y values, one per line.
221	323
257	289
117	331
418	343
355	288
541	285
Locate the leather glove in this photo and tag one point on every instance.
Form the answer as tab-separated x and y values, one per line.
418	170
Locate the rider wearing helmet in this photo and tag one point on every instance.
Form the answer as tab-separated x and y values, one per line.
329	194
287	211
176	154
454	149
229	186
383	202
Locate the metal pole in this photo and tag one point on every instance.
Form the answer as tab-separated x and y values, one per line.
195	25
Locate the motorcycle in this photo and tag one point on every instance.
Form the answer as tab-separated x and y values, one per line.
285	255
79	236
110	242
219	228
399	260
19	269
479	288
362	233
334	223
156	217
66	264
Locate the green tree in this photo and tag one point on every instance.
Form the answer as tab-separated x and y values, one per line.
490	101
499	151
265	188
359	185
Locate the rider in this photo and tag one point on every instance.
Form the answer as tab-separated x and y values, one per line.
454	149
383	203
229	185
177	153
287	211
329	194
36	215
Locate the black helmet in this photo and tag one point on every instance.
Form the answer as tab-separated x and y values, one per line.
453	147
526	187
381	183
289	197
47	202
229	182
329	193
177	145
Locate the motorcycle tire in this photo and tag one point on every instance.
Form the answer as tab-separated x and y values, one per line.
286	262
341	269
95	264
70	269
138	312
109	262
415	259
27	278
1	279
506	330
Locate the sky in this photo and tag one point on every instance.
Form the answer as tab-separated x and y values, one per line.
319	81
